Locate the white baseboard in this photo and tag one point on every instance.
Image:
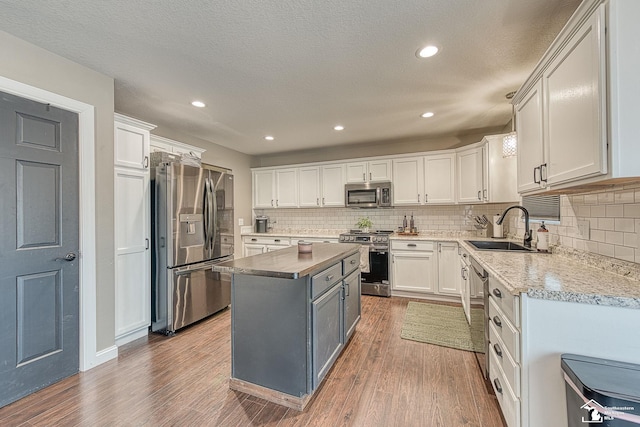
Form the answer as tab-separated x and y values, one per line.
132	336
101	357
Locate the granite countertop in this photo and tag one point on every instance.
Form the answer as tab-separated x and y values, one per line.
288	263
565	275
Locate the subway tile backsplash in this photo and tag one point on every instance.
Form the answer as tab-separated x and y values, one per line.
427	218
605	222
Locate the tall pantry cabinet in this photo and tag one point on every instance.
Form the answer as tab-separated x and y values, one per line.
132	228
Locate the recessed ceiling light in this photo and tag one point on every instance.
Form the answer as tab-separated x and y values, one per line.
269	138
198	104
426	115
427	51
338	127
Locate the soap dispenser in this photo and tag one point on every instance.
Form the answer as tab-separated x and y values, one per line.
543	239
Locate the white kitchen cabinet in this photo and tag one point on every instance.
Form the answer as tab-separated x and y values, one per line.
286	188
439	179
309	187
167	145
530	147
264	188
499	172
408	180
414	266
131	142
132	218
333	180
464	268
253	245
448	261
420	180
369	171
587	86
470	175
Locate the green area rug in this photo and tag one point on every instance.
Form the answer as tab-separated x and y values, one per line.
443	325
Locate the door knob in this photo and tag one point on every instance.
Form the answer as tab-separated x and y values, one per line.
68	257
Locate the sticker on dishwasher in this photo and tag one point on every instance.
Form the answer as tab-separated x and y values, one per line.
597	414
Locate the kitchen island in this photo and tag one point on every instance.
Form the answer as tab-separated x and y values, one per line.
291	315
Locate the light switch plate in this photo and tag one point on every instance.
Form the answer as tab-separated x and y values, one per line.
240	221
584	229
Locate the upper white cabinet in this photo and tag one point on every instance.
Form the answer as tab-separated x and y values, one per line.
333	180
470	175
309	187
131	142
424	179
275	188
166	145
439	178
408	180
575	116
499	172
132	217
370	171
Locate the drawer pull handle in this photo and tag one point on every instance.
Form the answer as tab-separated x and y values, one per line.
496	383
497	321
497	349
497	293
411	245
277	240
329	278
353	261
254	240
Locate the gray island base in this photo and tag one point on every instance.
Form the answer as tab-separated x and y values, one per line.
291	316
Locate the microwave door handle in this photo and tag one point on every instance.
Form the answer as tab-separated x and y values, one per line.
378	196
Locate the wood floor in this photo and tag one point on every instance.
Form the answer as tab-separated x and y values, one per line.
379	380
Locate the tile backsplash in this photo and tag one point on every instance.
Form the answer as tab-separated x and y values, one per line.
427	218
605	222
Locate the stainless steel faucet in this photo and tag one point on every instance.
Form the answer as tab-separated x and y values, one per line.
527	232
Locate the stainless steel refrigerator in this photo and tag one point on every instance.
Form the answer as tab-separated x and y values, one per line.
192	219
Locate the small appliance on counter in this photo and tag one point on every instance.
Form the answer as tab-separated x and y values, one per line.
498	232
262	223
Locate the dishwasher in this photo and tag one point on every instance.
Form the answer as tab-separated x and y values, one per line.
479	283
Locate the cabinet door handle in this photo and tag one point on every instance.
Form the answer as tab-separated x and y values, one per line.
146	243
370	177
536	181
317	201
411	245
277	203
145	162
426	198
497	293
346	289
479	195
418	198
329	277
484	194
497	349
323	201
543	176
496	383
497	321
353	261
271	202
364	176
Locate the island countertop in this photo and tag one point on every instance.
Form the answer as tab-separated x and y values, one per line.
288	263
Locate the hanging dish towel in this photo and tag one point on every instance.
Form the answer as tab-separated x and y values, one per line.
364	258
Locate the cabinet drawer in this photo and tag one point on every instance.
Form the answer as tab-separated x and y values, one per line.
285	241
510	368
412	245
350	263
507	302
509	403
505	330
325	279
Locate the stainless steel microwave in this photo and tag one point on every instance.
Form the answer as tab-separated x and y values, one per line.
368	195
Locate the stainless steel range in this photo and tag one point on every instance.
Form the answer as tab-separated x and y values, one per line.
375	273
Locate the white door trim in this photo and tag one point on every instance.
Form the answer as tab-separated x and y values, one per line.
89	356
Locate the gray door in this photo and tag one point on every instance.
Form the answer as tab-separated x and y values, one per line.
39	291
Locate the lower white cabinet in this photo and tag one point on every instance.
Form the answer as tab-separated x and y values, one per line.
465	283
414	266
257	245
448	279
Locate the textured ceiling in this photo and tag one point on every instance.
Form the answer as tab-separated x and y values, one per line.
295	68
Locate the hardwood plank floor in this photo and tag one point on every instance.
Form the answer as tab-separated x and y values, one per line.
379	380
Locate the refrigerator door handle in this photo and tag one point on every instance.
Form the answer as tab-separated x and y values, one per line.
205	209
214	218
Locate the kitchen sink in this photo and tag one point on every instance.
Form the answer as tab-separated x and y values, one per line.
488	245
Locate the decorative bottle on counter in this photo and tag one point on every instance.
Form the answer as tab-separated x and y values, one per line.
412	225
543	238
404	224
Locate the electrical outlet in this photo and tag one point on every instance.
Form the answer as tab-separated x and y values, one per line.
240	221
583	229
